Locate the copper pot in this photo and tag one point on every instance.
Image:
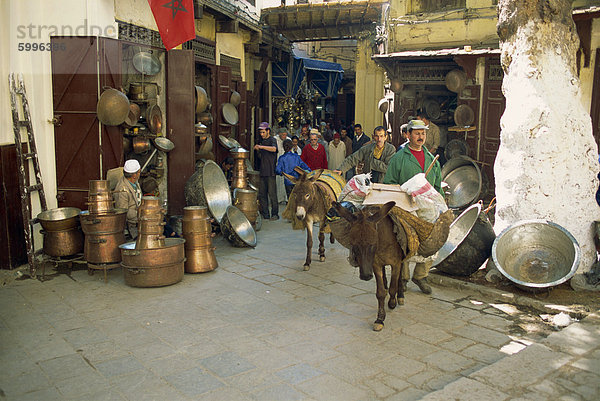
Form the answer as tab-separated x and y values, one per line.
99	186
154	118
134	115
63	242
151	227
140	144
195	212
198	240
107	223
103	247
103	206
153	267
247	201
196	226
200	260
104	196
205	118
62	218
150	241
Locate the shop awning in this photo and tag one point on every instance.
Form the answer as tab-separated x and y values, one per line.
324	21
323	76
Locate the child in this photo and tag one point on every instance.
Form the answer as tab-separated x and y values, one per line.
286	164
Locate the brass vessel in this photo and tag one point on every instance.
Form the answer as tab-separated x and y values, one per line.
240	176
153	267
63	242
197	232
247	201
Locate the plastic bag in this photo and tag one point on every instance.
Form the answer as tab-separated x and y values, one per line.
357	189
430	202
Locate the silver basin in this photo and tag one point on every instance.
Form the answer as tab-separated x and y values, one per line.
459	229
464	180
536	253
237	228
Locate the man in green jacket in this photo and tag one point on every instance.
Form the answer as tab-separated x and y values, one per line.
414	158
375	156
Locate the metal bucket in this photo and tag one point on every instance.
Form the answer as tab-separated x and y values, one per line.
153	267
464	180
237	229
536	254
200	260
208	187
468	245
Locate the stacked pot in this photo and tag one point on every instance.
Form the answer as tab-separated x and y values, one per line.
103	226
199	251
240	175
152	260
247	201
150	224
62	235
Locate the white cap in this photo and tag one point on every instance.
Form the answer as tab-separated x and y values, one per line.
131	166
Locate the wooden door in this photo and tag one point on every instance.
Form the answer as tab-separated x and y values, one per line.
76	135
243	128
180	125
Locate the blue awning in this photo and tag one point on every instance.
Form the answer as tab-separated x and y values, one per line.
323	76
318	65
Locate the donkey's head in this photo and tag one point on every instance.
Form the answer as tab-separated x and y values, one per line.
363	236
305	191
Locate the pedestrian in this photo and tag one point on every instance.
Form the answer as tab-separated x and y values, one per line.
414	158
375	156
433	132
267	191
128	194
287	163
403	136
337	152
314	154
346	139
296	145
280	138
360	139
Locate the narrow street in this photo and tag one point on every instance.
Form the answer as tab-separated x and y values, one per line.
260	328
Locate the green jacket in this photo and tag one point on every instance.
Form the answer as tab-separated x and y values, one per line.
377	167
404	166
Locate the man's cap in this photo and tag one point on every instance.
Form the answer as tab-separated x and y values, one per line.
263	125
315	131
131	166
336	136
416	124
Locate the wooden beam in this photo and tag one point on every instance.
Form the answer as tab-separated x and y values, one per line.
262	74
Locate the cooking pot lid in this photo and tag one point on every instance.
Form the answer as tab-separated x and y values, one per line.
456	80
154	118
230	114
432	107
201	99
226	142
164	144
146	63
456	147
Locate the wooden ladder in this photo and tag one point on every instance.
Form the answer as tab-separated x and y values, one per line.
22	119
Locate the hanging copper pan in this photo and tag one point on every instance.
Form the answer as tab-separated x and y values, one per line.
133	116
464	116
147	63
140	144
456	80
113	107
230	114
154	118
205	118
235	98
201	99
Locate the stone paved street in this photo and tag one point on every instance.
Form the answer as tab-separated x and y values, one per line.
260	328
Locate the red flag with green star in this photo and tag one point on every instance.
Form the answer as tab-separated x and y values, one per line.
175	20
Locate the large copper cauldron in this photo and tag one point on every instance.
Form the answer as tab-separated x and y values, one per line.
103	235
63	242
153	267
62	218
200	256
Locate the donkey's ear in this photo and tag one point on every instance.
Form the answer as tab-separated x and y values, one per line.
344	213
317	175
300	170
293	179
382	212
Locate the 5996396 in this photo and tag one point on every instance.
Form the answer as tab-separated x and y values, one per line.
40	47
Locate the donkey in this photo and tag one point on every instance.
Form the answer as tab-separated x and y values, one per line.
373	245
309	204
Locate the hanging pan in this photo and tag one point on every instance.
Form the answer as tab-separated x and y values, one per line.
154	118
201	99
235	98
464	116
230	114
146	63
113	107
456	80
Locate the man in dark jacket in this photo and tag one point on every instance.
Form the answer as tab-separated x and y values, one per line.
287	163
267	191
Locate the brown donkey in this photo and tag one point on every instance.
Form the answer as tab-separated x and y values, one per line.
309	204
373	244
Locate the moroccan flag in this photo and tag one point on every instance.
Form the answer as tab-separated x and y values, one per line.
175	20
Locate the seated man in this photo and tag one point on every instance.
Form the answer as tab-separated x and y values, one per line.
128	194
